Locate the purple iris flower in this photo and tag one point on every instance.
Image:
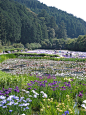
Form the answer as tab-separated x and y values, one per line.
16	89
80	94
29	88
35	89
53	88
29	84
65	82
35	80
68	85
7	92
56	85
32	82
63	88
81	91
43	85
7	95
9	88
71	79
49	84
1	91
83	84
49	77
55	82
45	81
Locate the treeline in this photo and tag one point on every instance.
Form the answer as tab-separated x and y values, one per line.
74	26
77	44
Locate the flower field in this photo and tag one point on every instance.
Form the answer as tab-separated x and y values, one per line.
42	87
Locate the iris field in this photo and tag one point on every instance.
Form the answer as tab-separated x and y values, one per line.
42	86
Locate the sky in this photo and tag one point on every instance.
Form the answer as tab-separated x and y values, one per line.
75	7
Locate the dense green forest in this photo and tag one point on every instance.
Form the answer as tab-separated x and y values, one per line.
35	25
74	26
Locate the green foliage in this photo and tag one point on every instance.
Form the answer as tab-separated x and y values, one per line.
33	45
1	47
6	56
78	44
18	45
46	44
81	43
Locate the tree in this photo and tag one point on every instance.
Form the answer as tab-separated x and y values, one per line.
44	31
51	32
52	22
34	33
43	13
39	33
62	32
18	45
2	29
46	44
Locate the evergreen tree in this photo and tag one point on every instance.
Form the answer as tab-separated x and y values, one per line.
2	29
52	22
62	32
39	33
44	31
34	33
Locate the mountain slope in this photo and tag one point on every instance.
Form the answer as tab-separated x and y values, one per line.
74	26
20	24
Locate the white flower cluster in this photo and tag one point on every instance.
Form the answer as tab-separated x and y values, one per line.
83	105
44	95
35	93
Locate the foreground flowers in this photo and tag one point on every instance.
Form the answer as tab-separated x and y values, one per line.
48	94
21	103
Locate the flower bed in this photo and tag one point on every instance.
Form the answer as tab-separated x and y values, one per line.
44	87
44	67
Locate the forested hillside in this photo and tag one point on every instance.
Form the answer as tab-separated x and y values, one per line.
39	26
74	26
20	24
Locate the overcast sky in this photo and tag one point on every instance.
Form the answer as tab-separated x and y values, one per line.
75	7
